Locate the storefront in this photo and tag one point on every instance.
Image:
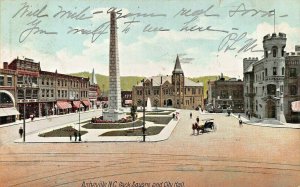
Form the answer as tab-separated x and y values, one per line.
77	105
8	112
62	107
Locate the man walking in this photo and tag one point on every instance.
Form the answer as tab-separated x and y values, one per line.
21	132
75	135
191	115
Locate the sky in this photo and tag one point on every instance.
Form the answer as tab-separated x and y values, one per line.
210	37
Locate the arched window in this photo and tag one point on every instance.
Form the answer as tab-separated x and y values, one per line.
274	51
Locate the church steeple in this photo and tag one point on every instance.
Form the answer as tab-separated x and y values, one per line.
93	79
177	68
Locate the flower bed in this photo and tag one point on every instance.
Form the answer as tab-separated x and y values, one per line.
113	125
100	120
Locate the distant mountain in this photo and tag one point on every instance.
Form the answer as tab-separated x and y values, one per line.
128	81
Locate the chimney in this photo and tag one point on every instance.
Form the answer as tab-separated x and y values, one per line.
5	65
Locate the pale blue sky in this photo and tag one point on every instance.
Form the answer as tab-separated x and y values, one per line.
144	53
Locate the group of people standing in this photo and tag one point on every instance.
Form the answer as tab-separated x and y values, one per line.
75	136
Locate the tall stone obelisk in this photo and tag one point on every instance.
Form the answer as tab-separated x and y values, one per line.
114	112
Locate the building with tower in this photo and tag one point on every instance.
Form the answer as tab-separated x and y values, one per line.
271	85
170	90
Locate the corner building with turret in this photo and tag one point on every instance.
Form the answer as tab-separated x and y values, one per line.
272	84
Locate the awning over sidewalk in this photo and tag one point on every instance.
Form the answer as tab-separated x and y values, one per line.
295	106
9	111
86	103
77	104
63	105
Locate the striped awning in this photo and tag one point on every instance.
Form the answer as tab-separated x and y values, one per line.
63	105
9	111
295	106
77	104
86	103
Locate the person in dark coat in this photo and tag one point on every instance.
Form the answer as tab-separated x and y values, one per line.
191	115
75	135
241	123
21	132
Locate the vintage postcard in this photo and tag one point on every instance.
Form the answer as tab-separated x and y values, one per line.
128	93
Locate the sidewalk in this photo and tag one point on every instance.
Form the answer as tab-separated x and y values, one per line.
18	122
266	122
93	134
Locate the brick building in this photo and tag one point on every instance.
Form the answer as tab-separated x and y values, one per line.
8	111
170	91
43	93
223	95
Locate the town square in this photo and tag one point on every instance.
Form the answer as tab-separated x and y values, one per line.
130	94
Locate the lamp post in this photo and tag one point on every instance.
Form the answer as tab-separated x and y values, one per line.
79	135
24	112
143	129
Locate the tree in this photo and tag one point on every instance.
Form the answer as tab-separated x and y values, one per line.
133	110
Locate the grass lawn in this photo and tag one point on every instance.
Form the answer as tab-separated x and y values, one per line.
63	132
158	120
159	113
136	132
112	125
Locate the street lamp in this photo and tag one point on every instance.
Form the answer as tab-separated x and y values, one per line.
24	112
79	135
143	129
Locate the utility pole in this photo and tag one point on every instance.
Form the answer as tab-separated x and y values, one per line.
144	135
24	113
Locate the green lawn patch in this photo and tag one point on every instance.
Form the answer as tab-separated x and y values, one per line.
63	132
159	113
158	120
136	132
112	125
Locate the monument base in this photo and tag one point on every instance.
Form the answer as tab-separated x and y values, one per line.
113	115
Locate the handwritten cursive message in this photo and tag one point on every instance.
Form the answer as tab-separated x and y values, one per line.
232	39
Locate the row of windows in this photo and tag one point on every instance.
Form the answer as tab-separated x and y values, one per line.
29	94
8	81
166	91
26	80
64	83
271	90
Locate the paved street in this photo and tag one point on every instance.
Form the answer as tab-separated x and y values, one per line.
231	156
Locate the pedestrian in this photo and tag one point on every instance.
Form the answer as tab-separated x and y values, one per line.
239	116
241	123
79	136
21	132
197	119
31	117
191	115
75	135
70	137
249	115
173	115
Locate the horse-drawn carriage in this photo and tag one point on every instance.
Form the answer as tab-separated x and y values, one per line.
208	126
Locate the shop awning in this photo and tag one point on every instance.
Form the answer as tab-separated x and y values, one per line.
128	102
296	106
9	111
77	104
63	105
86	103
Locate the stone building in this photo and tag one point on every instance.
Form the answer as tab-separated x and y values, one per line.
291	99
223	95
272	83
170	91
8	102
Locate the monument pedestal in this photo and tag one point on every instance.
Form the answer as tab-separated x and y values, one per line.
113	115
